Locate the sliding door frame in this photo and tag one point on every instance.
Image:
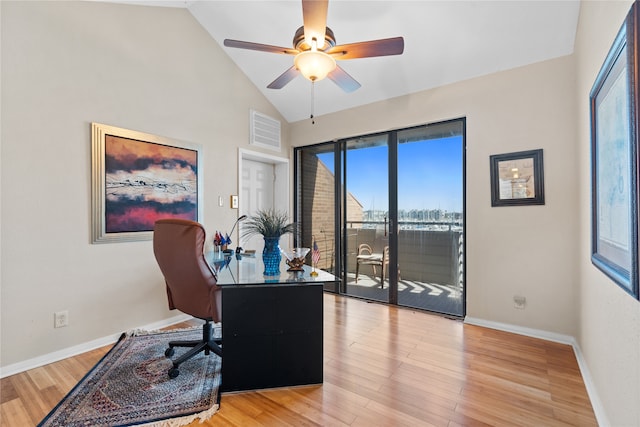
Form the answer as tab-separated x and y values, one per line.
340	203
392	141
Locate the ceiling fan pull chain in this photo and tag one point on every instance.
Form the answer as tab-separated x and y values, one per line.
313	83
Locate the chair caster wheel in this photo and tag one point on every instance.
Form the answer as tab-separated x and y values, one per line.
169	352
173	372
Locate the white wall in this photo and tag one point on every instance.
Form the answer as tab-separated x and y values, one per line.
527	250
609	326
65	65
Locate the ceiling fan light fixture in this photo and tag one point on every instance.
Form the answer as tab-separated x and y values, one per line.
314	65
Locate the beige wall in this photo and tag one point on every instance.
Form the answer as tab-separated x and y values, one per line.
510	250
609	325
65	65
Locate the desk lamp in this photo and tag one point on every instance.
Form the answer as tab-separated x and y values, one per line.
238	249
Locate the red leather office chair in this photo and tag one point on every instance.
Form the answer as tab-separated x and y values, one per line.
178	246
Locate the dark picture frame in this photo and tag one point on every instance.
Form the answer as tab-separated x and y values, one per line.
517	179
138	178
614	160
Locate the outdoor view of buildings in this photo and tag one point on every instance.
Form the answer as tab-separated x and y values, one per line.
415	219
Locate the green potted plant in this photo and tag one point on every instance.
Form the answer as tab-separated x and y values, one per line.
271	225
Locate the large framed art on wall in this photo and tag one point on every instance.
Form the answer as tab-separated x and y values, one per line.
138	178
614	160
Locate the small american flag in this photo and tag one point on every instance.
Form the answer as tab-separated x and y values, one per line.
315	254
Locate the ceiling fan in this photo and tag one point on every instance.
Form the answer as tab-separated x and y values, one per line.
316	52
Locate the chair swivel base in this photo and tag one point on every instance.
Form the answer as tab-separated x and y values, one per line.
207	344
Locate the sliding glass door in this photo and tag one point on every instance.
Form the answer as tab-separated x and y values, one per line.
387	211
366	216
430	217
316	204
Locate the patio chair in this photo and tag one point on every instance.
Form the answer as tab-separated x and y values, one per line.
366	256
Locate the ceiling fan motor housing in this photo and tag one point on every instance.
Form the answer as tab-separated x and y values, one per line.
300	44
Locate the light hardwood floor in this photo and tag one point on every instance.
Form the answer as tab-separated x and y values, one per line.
383	366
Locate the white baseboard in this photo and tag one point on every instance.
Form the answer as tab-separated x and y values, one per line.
45	359
521	330
596	403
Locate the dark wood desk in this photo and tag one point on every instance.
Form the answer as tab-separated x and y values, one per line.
271	326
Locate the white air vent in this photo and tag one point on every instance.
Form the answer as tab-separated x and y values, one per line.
265	131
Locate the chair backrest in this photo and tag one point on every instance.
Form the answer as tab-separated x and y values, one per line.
364	249
178	246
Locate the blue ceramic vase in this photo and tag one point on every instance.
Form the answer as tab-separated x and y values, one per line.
271	256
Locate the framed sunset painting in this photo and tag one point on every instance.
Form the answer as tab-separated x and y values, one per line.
138	178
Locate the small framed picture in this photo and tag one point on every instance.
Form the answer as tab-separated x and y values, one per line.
517	178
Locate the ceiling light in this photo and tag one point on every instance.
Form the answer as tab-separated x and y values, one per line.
314	64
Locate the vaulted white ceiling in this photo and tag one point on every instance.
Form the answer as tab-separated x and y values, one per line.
445	42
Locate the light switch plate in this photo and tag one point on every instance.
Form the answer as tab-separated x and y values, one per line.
234	202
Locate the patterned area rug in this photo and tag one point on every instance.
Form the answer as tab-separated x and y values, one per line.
130	386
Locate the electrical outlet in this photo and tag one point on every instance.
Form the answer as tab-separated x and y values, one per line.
234	202
519	302
61	319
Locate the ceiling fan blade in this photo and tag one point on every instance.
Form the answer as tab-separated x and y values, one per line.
343	80
260	47
382	47
284	78
314	16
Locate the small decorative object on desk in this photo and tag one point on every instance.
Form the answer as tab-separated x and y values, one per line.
271	224
271	256
220	242
295	258
315	257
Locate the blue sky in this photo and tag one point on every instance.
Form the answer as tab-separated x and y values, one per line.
429	175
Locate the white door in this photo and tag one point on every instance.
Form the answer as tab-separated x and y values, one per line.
256	193
264	184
